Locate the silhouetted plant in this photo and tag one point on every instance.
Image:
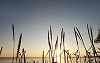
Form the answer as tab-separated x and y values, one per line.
43	57
97	40
19	45
1	50
13	41
92	41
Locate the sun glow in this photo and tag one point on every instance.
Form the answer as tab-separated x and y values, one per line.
58	55
58	59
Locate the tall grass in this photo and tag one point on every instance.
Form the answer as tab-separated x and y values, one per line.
97	40
56	47
52	52
1	50
61	44
43	57
19	45
13	41
90	34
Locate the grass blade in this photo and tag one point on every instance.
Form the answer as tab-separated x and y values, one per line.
13	40
19	45
1	50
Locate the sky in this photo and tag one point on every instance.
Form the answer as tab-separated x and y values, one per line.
33	18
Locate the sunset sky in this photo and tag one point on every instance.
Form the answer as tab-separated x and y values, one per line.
33	18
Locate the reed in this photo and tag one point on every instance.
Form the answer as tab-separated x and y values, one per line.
77	46
61	44
43	57
78	34
56	44
19	45
51	42
13	41
23	52
56	47
69	56
97	40
51	33
18	49
64	51
49	46
62	41
64	47
90	34
1	50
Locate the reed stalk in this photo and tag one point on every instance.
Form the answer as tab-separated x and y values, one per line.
77	45
13	41
49	58
49	46
56	46
19	45
70	58
90	34
64	47
24	55
61	44
1	50
51	42
43	57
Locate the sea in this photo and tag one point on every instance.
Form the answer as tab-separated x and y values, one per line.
36	59
28	60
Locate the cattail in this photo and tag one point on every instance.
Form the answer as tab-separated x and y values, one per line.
24	55
91	34
76	36
1	50
91	40
49	41
13	31
43	57
47	53
80	37
64	46
51	33
56	45
64	56
61	43
63	38
61	35
13	40
20	38
97	40
88	31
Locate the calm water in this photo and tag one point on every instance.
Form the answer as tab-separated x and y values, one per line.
29	60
